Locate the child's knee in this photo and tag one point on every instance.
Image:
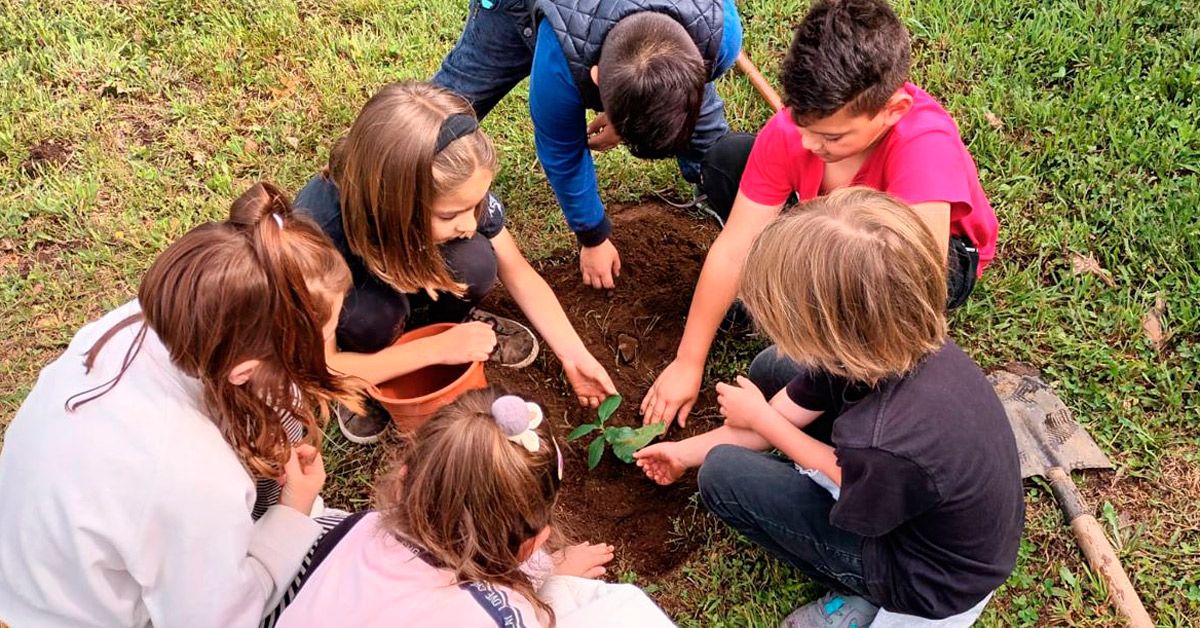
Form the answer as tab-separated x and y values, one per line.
371	327
716	476
473	262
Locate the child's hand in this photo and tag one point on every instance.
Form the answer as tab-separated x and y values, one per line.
468	342
590	381
303	477
600	264
743	404
584	560
673	394
660	462
602	135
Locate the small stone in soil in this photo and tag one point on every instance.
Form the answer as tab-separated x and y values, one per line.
627	347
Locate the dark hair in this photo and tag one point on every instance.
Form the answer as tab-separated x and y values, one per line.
258	286
471	497
845	53
651	83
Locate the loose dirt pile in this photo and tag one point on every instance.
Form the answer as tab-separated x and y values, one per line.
633	331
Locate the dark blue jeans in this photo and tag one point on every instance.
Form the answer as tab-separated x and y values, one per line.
495	52
766	499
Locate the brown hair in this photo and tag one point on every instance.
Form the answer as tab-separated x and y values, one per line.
388	173
851	283
845	53
470	497
257	286
651	82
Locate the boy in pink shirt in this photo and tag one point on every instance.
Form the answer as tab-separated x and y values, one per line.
851	119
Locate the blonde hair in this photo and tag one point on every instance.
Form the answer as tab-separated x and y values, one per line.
852	283
471	497
388	174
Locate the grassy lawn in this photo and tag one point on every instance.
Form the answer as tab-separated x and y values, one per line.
123	123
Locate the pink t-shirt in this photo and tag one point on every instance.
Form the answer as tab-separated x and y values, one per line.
922	159
373	579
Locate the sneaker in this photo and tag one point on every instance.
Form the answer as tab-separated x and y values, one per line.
833	610
737	321
516	346
363	429
699	203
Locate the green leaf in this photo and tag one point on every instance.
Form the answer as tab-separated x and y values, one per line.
581	431
595	450
626	440
608	407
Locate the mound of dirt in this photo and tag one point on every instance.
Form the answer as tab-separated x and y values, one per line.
633	331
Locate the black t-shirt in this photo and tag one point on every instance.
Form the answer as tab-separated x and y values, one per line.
930	477
319	200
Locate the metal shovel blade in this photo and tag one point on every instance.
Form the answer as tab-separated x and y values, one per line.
1047	433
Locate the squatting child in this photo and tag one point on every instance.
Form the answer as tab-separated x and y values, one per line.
407	200
460	537
851	119
912	500
127	478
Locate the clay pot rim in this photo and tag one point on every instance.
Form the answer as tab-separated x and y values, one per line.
424	332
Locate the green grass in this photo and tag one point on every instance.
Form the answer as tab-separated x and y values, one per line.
1084	118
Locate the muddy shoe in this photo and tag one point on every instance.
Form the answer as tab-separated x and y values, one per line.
516	346
363	429
833	610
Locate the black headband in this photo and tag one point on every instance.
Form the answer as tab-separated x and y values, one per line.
454	127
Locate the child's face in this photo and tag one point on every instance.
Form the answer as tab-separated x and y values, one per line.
844	135
453	213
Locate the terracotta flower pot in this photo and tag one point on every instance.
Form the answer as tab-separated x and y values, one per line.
412	398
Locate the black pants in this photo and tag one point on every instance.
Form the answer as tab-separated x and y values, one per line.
374	314
721	174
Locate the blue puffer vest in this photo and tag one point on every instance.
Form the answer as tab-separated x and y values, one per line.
582	25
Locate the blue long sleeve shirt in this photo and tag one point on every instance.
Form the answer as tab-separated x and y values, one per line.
560	128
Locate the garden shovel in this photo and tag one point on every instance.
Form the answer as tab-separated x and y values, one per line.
1052	444
759	81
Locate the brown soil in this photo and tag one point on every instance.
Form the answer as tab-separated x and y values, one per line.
633	331
52	153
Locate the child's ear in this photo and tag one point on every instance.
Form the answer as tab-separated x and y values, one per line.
897	106
531	546
594	71
242	371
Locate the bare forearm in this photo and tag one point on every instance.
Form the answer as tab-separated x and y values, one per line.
537	300
801	448
714	294
386	364
693	450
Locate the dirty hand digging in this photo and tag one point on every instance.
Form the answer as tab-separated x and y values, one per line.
600	265
660	463
589	380
673	394
584	560
602	136
742	403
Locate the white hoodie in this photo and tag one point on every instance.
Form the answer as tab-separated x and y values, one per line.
133	510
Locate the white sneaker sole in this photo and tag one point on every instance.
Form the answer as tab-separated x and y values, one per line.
342	415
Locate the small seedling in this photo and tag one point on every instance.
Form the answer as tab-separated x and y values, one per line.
624	440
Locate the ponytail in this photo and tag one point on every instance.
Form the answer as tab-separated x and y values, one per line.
258	286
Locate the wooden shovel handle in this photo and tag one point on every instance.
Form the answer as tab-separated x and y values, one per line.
1100	555
759	81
